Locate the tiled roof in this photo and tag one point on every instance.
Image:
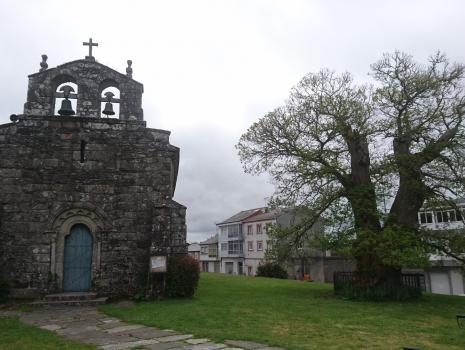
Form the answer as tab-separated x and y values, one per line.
269	215
241	216
211	240
193	247
458	201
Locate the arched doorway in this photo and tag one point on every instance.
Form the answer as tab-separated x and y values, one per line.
77	262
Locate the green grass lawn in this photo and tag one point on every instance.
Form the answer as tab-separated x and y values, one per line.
15	335
301	315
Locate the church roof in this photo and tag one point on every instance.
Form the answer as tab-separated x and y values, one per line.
81	62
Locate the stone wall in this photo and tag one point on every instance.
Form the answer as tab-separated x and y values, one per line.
115	176
320	268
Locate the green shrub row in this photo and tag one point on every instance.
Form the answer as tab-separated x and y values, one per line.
273	270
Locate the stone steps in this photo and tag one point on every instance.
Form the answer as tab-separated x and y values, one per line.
71	299
71	296
92	302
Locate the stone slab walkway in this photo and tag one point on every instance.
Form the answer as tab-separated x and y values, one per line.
88	325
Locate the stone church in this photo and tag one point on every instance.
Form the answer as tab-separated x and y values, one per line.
86	187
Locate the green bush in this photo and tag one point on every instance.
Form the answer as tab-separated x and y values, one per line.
272	270
4	290
182	276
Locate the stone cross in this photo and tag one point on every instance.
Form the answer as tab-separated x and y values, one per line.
90	44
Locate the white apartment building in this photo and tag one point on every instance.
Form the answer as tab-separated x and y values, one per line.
446	274
231	241
209	257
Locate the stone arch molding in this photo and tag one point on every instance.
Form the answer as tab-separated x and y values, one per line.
62	225
89	217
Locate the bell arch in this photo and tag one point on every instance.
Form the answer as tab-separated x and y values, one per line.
109	98
59	83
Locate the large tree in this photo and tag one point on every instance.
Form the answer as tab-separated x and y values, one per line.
346	151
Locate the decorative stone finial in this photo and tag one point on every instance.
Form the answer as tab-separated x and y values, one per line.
129	69
43	64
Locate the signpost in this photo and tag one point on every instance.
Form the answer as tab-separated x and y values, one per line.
158	264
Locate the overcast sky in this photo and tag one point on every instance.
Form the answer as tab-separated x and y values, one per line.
212	68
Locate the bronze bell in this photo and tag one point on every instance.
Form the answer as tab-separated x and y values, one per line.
108	110
66	107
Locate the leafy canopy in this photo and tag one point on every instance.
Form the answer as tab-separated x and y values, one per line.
365	158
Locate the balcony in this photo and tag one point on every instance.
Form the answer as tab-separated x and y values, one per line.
232	249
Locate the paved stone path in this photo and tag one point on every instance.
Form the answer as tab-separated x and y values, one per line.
88	325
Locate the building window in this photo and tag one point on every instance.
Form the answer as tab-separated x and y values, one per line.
212	251
235	247
204	266
447	216
426	218
259	229
224	247
267	226
249	270
250	246
439	216
269	244
204	250
259	246
249	230
234	230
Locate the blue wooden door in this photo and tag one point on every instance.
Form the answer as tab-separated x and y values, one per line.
77	259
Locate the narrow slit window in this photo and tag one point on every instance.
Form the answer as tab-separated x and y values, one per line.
83	151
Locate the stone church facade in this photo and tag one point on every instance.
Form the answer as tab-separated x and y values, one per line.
85	201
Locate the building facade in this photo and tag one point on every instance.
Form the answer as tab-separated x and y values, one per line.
231	242
194	251
256	240
85	200
244	241
446	275
209	255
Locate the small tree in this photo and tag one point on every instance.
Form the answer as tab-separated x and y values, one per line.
343	150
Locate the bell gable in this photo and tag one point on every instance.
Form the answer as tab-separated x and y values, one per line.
91	78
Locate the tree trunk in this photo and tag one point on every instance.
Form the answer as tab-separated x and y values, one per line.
362	197
411	193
